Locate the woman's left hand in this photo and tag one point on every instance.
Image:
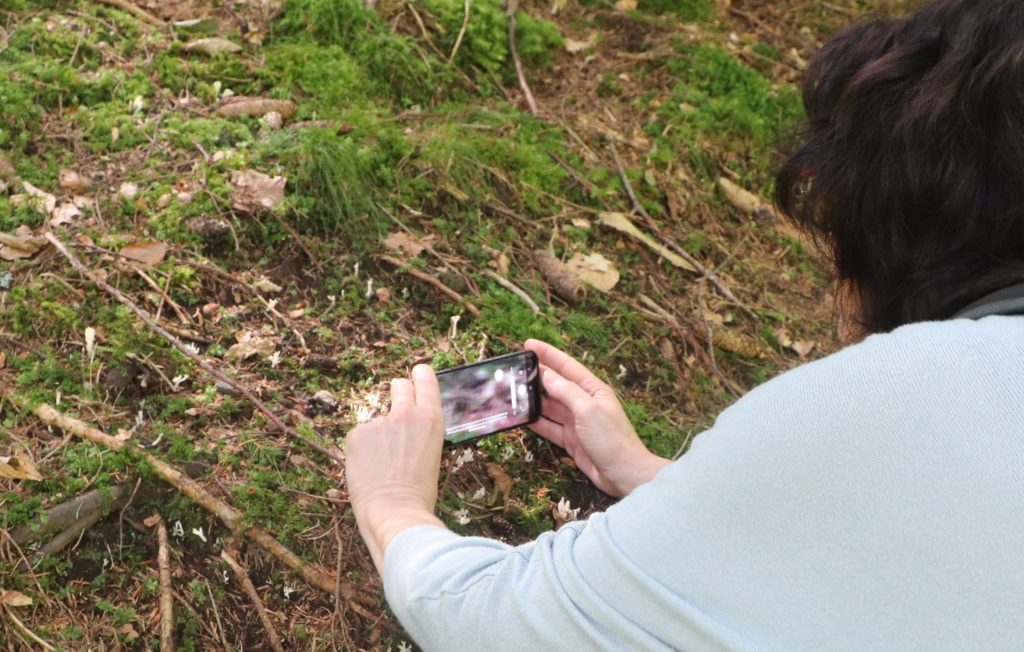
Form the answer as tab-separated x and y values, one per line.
392	463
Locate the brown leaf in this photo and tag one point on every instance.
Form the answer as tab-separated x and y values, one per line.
43	201
65	214
403	243
256	190
213	46
71	180
14	598
595	270
741	198
626	5
250	346
502	483
803	348
148	253
21	245
257	107
19	467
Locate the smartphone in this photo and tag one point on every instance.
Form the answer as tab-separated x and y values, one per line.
490	396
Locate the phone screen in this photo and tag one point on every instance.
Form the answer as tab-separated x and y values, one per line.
490	396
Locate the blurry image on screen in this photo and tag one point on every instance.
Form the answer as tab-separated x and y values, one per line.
485	398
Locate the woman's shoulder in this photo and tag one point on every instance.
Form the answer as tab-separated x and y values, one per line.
911	368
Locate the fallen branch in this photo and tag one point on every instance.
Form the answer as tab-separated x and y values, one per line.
138	12
163	562
243	579
436	283
231	518
331	453
28	632
462	31
513	288
713	279
67	514
510	10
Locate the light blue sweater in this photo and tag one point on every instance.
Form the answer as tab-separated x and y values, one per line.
872	500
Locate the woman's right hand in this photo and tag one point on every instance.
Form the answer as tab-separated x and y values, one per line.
582	415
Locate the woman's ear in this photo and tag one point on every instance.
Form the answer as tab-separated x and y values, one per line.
849	328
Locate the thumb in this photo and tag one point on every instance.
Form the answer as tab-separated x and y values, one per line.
569	393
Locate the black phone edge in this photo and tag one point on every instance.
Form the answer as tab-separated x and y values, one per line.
534	405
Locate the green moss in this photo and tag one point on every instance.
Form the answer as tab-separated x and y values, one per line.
505	314
656	432
690	10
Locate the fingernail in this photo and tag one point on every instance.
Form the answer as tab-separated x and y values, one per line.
423	371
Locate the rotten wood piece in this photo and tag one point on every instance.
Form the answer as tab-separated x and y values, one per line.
332	452
558	276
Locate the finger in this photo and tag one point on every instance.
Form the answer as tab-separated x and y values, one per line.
549	430
565	365
428	390
403	394
574	397
551	407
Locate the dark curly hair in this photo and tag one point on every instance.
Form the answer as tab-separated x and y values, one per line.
911	167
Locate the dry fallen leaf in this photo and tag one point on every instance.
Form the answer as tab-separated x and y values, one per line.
70	180
213	46
626	5
21	245
65	214
19	467
259	346
234	107
621	223
803	348
254	189
595	270
406	244
266	286
741	198
572	46
128	190
43	201
148	253
14	598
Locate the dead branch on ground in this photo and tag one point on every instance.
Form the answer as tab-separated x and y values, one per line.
513	288
510	10
562	282
436	283
134	10
315	576
711	277
163	562
243	580
332	453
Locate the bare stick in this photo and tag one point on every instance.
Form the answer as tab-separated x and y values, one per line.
138	12
65	515
165	297
462	32
163	563
315	576
668	242
430	280
513	288
332	453
28	632
510	10
243	579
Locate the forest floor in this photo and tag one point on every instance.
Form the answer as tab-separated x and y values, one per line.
274	209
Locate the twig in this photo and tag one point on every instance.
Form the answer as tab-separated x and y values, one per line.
430	280
298	240
510	10
657	313
331	453
587	186
66	514
164	297
28	632
462	31
668	242
513	288
138	12
163	563
243	579
430	249
315	576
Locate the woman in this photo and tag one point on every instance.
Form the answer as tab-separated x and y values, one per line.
871	500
